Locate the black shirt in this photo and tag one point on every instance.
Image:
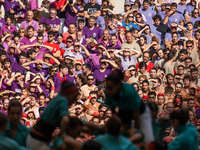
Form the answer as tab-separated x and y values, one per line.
92	9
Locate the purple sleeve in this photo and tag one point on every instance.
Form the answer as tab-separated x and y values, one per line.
58	21
22	25
42	19
36	26
52	4
99	33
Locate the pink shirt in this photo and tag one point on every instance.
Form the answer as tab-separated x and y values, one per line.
34	23
33	4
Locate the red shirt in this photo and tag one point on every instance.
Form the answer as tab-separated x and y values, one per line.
149	66
55	49
65	35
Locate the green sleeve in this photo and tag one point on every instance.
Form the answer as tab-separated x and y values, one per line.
63	108
134	99
58	142
175	145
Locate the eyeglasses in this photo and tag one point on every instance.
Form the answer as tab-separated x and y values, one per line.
69	41
50	36
189	46
90	79
130	16
151	97
132	70
196	12
166	53
54	70
21	32
138	17
52	13
32	87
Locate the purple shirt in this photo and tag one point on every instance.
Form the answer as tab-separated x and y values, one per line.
115	47
13	59
41	53
104	44
148	37
4	28
20	11
162	14
189	8
43	71
168	36
99	76
45	91
119	41
70	79
181	8
174	19
4	111
4	85
101	22
149	14
33	4
96	32
156	33
9	5
16	67
57	83
26	41
16	87
42	19
193	20
70	15
34	24
78	57
2	22
92	51
53	23
93	59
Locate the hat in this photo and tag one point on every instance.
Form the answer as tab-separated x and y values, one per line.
145	97
161	94
161	114
24	116
123	29
127	3
78	62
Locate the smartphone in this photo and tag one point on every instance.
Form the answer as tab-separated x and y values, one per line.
99	88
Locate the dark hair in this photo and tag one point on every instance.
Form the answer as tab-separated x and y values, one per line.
179	83
93	92
157	17
41	109
5	99
30	52
102	105
59	34
62	65
22	54
188	58
95	117
75	122
193	70
3	119
169	89
29	28
92	145
51	33
142	64
116	76
169	75
40	35
145	81
113	126
88	66
152	93
153	106
69	38
66	85
187	77
41	94
81	21
181	115
174	5
14	104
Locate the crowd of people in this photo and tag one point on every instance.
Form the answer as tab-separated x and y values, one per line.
74	74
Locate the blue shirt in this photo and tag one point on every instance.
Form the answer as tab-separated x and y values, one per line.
129	26
187	138
109	142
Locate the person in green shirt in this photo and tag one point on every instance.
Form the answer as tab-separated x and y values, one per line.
15	129
7	143
54	115
113	140
187	138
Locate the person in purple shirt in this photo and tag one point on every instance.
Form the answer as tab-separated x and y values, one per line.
30	39
81	40
191	6
91	47
91	30
4	79
8	26
38	69
18	66
2	20
101	73
70	14
5	102
161	10
173	16
53	21
105	38
12	55
49	88
71	73
195	16
148	13
30	22
16	82
113	43
9	5
182	7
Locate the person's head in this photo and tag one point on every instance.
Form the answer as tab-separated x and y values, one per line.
92	145
192	89
113	82
183	54
127	6
79	108
129	37
14	112
170	78
90	79
197	120
195	13
156	82
188	61
71	68
183	2
143	40
174	36
69	41
42	28
53	70
109	112
76	46
168	91
5	102
134	32
157	19
113	39
145	4
74	127
3	122
79	35
70	91
22	32
194	73
161	98
41	98
2	55
178	100
151	96
63	68
93	97
30	15
7	64
81	24
102	62
113	126
146	57
141	78
147	30
186	81
86	68
178	87
145	99
30	31
72	28
145	85
102	110
129	18
106	34
191	103
189	45
187	18
179	118
133	70
51	36
153	73
140	93
169	107
53	13
154	110
22	57
40	39
91	21
9	20
184	103
95	120
174	7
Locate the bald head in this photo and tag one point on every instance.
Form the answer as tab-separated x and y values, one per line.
106	34
29	15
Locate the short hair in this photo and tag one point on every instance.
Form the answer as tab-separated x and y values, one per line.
152	93
93	92
181	66
188	58
72	24
95	117
3	119
29	28
157	17
102	105
40	35
91	17
90	75
43	24
145	81
69	38
51	33
22	54
142	64
30	52
169	75
189	42
59	34
3	52
62	65
193	70
145	1
42	94
179	83
174	5
92	145
88	66
154	68
81	21
169	89
14	104
187	77
183	51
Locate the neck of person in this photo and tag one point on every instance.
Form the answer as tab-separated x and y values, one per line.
14	127
61	74
88	72
51	18
30	21
90	85
91	27
11	54
92	4
102	69
113	45
51	42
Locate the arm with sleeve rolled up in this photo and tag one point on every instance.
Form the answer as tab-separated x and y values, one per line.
167	17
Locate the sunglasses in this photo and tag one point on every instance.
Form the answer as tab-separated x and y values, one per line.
69	41
189	46
138	17
196	12
50	36
90	79
54	70
32	87
166	53
132	70
130	16
21	32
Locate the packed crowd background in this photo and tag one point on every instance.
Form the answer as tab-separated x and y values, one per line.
76	75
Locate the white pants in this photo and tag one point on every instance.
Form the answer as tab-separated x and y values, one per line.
146	125
35	144
65	29
18	25
62	21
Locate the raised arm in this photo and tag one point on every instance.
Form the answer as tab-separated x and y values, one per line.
85	50
140	32
26	65
167	17
63	8
9	83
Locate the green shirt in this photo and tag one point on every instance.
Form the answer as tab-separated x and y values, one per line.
9	144
128	100
187	138
109	142
20	135
55	110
